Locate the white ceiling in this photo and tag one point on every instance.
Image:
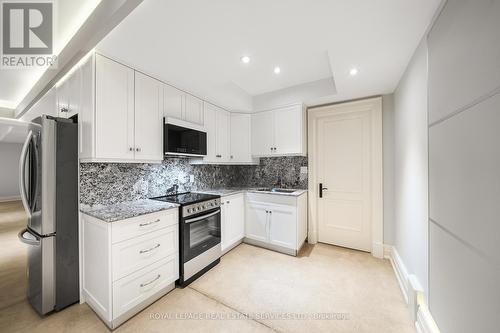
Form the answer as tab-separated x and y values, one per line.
197	44
69	15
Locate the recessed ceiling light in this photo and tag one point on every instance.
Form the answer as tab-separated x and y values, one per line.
353	71
277	70
245	59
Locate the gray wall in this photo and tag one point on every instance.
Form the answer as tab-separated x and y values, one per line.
411	167
464	167
9	174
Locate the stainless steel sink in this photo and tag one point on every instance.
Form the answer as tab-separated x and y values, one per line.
278	190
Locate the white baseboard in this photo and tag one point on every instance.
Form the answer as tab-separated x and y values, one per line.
399	269
7	199
424	322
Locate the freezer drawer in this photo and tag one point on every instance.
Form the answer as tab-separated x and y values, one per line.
41	270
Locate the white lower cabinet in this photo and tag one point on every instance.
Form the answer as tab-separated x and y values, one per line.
276	222
232	220
129	264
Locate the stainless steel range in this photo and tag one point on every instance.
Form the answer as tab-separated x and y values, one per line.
199	233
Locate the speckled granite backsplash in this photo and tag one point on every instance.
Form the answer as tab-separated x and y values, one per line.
107	183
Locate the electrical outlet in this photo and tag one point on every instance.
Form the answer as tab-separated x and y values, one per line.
303	169
191	178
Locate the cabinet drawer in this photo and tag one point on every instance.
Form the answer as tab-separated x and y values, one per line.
137	287
140	225
136	253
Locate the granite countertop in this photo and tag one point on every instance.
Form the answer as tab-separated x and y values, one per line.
125	210
234	190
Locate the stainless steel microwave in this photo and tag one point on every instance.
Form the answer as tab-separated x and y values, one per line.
183	141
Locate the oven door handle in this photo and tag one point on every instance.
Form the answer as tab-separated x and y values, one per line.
201	217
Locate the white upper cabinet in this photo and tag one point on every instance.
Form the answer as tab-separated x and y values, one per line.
262	133
217	125
182	106
114	112
193	111
173	101
289	130
279	132
211	128
222	135
148	127
240	142
120	113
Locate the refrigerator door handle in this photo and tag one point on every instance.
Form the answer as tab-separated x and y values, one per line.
22	176
33	240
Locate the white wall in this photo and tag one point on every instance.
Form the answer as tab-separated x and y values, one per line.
464	167
388	158
9	175
411	167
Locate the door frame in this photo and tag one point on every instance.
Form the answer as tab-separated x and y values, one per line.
377	219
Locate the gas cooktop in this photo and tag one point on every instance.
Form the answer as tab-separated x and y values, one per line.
186	198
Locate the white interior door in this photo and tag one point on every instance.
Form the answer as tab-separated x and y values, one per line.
344	161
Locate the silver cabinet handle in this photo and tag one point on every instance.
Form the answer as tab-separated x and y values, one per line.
148	283
131	149
137	149
149	223
150	249
227	202
231	156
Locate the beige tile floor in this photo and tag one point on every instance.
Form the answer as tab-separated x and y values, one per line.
360	292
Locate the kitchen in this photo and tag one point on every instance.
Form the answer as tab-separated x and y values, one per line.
185	168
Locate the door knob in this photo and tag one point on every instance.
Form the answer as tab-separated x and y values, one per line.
321	189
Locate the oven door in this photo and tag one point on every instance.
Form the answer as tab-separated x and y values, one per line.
201	232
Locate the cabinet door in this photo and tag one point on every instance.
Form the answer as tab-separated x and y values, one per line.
63	98
256	221
86	121
173	102
262	133
236	218
193	110
211	128
74	93
240	138
225	225
148	118
114	110
288	130
283	226
222	135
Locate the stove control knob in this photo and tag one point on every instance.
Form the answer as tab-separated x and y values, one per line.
189	210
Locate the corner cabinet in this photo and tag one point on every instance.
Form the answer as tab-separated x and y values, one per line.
129	264
276	222
280	132
125	122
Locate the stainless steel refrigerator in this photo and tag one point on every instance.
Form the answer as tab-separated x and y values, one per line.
48	171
